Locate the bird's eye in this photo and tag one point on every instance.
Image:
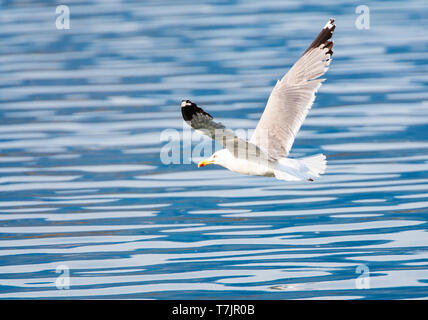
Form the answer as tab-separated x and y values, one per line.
215	157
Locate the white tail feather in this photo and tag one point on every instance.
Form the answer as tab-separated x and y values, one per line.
316	164
299	169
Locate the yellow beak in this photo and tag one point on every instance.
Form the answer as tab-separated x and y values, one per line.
204	163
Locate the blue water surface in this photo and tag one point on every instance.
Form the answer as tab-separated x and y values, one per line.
84	192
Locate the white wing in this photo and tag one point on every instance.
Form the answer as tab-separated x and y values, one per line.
293	96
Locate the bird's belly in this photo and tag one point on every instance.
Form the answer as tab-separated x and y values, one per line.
251	168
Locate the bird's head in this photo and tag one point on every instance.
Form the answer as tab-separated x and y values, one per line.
220	158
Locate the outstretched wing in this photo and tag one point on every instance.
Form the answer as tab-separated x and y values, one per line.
204	124
293	96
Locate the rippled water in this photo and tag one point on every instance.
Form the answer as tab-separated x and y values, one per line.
83	188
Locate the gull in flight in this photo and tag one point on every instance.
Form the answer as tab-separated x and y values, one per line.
288	104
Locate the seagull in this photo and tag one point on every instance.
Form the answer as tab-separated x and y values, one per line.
266	153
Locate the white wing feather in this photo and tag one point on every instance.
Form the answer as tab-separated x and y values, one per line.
292	97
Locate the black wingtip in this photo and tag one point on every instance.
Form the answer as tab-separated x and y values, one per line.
323	37
189	109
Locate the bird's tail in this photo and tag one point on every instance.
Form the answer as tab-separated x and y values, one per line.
316	164
299	169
